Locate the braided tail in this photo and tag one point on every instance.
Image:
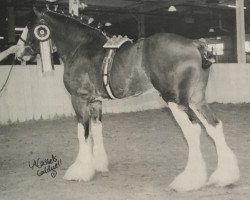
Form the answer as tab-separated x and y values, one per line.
206	55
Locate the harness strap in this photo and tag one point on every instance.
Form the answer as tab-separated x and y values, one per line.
106	68
30	45
111	45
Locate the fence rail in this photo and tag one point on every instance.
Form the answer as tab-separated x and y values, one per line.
31	95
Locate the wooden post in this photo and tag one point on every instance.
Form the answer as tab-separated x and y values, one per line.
11	23
74	7
141	26
240	24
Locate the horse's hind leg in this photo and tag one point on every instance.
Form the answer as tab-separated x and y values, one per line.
227	171
99	153
194	176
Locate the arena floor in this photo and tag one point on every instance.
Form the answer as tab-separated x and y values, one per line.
146	151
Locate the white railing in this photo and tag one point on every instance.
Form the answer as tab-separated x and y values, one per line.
30	94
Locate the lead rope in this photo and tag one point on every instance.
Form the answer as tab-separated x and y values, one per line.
8	76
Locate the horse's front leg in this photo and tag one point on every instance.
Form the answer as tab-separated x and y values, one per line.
83	167
99	152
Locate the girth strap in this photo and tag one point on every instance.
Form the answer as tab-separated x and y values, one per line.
111	45
106	69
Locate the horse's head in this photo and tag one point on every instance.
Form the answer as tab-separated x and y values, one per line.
67	31
30	43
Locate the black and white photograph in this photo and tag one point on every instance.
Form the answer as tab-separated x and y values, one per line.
124	99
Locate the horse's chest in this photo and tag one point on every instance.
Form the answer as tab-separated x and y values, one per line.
79	84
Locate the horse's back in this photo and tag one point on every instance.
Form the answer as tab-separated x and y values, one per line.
170	49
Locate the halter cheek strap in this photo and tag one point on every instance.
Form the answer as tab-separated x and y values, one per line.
35	50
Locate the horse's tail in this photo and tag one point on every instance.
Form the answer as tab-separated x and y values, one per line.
206	55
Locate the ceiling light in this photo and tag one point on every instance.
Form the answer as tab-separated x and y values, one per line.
172	9
108	24
1	37
211	30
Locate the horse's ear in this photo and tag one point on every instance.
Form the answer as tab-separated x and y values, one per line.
37	12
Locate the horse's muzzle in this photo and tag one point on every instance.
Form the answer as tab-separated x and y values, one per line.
25	54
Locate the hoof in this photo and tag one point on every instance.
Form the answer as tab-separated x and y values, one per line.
188	181
224	177
101	165
227	172
79	172
100	161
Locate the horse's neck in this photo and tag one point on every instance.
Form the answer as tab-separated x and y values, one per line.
65	43
66	48
68	39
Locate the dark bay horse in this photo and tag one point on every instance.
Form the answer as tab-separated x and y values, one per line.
169	63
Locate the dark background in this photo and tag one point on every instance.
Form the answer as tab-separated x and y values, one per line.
193	18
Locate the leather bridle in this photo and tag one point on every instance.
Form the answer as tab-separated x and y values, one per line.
32	46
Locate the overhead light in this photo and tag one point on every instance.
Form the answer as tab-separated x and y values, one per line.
211	30
1	37
172	9
108	24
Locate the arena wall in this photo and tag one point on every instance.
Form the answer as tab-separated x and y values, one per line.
31	95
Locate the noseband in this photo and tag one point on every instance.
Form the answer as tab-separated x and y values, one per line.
32	47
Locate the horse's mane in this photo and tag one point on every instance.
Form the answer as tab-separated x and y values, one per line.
78	20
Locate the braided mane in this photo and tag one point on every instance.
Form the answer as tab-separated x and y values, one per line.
79	19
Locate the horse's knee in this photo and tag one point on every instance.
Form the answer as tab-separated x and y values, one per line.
95	110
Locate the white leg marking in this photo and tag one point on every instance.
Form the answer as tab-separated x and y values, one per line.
83	167
227	171
195	175
100	155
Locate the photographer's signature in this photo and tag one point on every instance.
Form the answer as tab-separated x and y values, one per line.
48	165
